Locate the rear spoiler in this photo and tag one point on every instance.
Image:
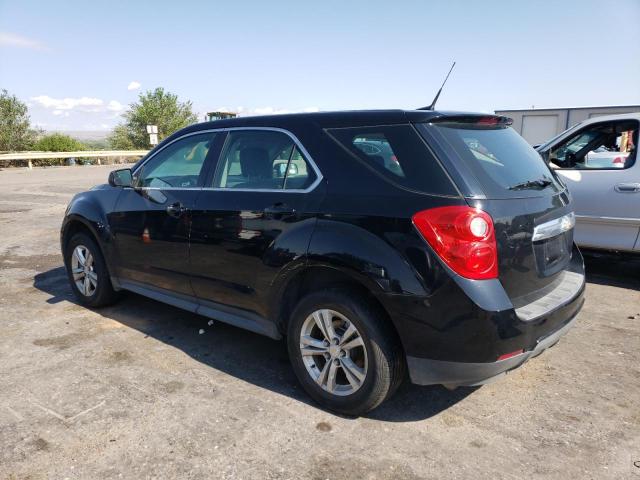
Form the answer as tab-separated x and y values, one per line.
478	121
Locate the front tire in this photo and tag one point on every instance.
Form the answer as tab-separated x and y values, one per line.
344	352
87	272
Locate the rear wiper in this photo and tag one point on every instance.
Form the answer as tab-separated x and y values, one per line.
535	184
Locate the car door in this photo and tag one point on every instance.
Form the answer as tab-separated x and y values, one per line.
255	216
151	221
600	168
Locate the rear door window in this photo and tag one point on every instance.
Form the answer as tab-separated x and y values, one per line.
397	153
502	161
263	160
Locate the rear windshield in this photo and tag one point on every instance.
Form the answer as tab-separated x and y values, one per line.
397	153
500	159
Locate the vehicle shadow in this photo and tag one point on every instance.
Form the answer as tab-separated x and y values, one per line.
242	354
612	270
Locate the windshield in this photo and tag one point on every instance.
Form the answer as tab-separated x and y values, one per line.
500	159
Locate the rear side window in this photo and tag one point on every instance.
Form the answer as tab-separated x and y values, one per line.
500	159
397	153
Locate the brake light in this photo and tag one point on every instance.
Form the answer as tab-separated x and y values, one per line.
463	237
488	121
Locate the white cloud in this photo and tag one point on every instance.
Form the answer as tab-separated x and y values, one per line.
115	106
12	40
82	103
133	85
242	111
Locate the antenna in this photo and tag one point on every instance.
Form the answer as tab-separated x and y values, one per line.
433	104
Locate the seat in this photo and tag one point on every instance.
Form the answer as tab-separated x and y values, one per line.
257	169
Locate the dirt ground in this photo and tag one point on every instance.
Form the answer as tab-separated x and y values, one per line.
134	391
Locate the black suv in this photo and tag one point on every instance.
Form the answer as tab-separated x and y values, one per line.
376	242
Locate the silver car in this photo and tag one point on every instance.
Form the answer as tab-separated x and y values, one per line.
597	159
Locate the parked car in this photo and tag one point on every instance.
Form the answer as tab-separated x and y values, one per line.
452	258
597	159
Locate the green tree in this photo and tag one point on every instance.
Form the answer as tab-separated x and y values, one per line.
156	107
57	142
16	133
120	139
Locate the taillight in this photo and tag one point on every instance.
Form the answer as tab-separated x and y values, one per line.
463	237
618	161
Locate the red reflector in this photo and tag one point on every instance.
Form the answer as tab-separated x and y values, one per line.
509	355
463	237
618	160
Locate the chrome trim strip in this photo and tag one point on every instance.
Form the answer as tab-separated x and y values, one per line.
306	154
597	219
554	227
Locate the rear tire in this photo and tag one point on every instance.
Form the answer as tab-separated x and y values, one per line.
344	351
87	272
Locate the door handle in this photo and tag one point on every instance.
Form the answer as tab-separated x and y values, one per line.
279	209
627	187
176	209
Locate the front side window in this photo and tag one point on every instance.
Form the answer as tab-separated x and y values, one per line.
178	165
262	160
604	146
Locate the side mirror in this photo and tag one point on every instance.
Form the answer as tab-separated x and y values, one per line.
570	160
121	178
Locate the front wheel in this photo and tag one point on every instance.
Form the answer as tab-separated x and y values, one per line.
87	272
345	353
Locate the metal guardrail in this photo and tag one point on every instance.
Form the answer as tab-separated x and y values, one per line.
30	156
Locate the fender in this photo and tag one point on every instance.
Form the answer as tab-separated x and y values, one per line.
89	208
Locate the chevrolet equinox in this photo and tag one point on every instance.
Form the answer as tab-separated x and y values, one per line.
376	242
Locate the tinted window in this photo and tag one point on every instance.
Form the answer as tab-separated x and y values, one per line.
262	160
178	165
399	154
500	158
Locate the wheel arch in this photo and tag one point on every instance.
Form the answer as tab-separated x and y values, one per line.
314	276
87	215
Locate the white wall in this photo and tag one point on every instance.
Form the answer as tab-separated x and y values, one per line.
538	126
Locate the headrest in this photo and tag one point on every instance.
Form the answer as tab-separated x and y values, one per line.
254	162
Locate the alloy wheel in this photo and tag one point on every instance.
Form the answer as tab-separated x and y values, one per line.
333	352
83	270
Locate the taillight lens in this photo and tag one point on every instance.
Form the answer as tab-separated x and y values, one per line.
463	237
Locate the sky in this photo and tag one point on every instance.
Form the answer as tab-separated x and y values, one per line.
79	64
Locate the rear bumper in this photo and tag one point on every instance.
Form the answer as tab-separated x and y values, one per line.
423	371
